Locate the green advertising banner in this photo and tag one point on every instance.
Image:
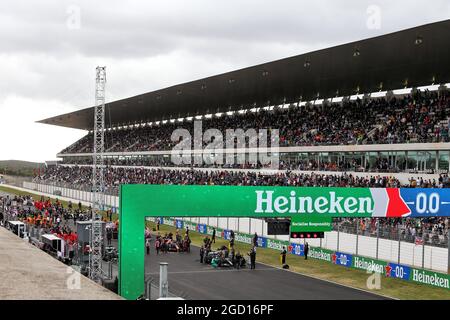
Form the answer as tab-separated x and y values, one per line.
243	237
311	223
370	265
138	201
232	201
320	254
277	244
435	279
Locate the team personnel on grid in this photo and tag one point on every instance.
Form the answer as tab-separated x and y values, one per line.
252	255
283	256
306	250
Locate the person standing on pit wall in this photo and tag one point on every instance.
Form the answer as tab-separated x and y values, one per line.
306	250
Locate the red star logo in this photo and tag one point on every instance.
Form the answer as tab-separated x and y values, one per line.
388	269
333	258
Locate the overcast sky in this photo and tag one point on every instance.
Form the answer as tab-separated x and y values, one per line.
49	49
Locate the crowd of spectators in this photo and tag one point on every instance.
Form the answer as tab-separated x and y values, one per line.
432	230
80	177
436	227
44	214
419	117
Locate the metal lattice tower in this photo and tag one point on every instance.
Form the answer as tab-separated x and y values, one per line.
98	184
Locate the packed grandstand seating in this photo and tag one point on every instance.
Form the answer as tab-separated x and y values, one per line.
381	164
419	117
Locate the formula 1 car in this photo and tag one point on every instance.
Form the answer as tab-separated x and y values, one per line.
220	258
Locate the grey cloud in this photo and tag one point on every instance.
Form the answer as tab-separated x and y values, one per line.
147	28
152	44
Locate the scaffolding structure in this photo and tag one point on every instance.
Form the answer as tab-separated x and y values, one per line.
98	184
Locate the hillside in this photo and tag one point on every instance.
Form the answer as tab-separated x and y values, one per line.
19	168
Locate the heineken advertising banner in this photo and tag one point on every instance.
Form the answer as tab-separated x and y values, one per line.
320	254
167	221
370	265
297	249
201	228
243	237
394	270
342	259
262	242
179	224
226	234
201	201
190	225
430	278
276	244
209	231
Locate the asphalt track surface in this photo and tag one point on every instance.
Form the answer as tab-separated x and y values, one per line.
191	280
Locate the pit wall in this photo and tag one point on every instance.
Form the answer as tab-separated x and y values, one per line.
387	269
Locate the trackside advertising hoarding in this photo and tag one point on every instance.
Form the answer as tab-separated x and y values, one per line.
232	201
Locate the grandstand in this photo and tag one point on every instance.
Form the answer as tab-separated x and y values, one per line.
336	109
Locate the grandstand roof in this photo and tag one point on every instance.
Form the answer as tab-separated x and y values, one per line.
413	57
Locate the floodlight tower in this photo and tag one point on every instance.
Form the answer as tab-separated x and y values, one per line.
98	183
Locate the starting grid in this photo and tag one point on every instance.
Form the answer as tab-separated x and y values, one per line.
387	269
